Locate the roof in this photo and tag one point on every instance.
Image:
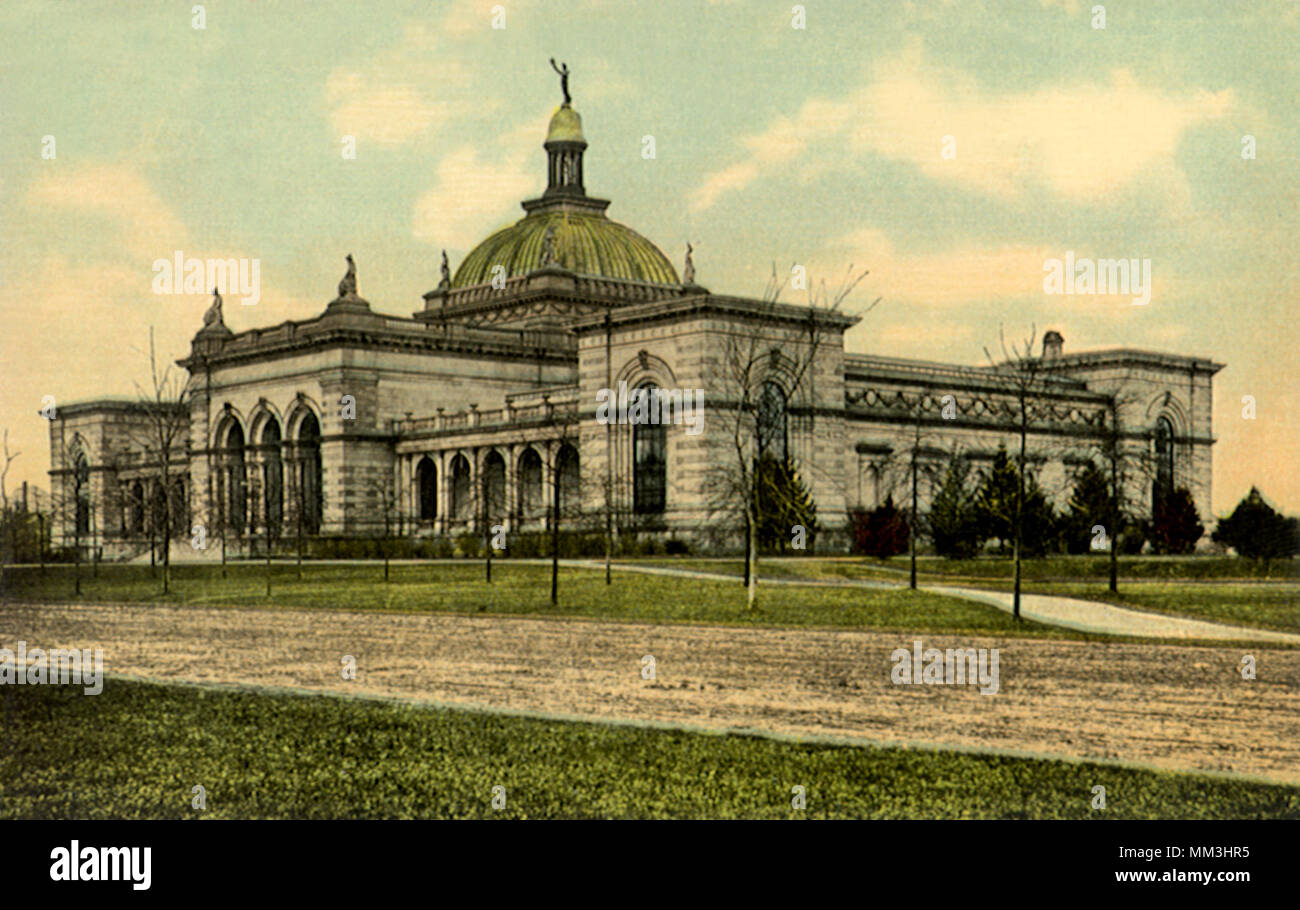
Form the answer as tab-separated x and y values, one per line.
586	242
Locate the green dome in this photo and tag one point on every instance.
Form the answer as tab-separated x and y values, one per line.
566	126
585	242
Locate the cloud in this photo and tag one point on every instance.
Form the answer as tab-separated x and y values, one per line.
966	274
1081	142
142	223
403	92
474	193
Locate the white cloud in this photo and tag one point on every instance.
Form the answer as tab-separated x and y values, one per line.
1082	142
403	92
474	193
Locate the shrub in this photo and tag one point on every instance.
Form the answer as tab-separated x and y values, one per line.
469	546
881	532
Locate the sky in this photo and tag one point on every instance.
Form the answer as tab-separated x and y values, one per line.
948	147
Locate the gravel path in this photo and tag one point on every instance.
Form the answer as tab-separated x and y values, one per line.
1170	706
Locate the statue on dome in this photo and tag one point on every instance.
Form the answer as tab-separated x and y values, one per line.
348	286
563	70
548	246
445	283
688	273
213	315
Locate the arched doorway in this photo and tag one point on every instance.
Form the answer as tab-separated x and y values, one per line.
494	488
566	469
461	505
426	481
530	485
311	497
272	476
233	458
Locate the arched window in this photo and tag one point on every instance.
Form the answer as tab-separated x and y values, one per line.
460	491
234	461
272	475
772	421
649	459
1164	482
530	484
494	488
426	479
566	469
81	491
311	496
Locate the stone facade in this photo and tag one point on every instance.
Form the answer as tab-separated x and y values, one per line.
477	405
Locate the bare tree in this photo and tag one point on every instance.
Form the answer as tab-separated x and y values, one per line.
382	489
9	457
566	500
1027	379
164	406
768	340
8	520
1126	457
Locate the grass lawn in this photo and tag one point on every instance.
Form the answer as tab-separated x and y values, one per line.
1001	569
519	588
138	749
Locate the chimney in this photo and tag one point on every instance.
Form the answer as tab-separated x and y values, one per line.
1052	343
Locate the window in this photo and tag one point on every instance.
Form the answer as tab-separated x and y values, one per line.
649	459
1164	482
772	421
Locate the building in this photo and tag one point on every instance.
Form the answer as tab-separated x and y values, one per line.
480	409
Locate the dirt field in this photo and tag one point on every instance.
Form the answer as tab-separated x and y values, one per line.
1169	706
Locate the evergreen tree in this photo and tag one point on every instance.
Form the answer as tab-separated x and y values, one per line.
1175	526
784	501
954	518
1091	504
1041	526
995	499
1257	531
995	507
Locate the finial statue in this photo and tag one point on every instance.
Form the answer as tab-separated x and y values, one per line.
688	273
348	286
563	70
213	315
446	273
548	245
